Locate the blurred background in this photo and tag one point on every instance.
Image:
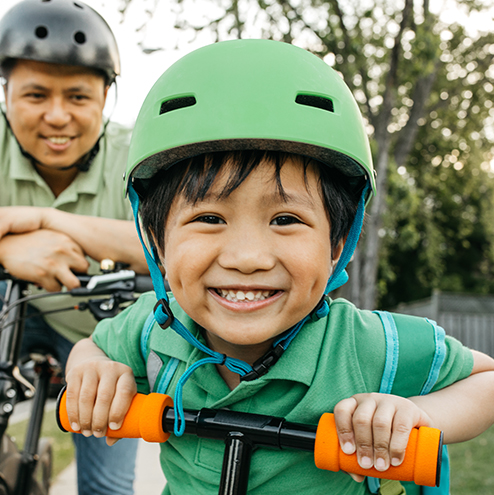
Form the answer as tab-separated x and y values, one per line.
423	74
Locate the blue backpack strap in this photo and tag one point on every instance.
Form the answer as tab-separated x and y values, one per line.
415	334
145	333
154	364
392	351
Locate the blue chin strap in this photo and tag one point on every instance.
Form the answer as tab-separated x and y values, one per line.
165	318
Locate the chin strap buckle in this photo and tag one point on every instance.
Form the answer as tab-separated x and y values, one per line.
262	365
165	307
313	315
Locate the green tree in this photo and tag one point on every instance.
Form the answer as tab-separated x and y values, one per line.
447	183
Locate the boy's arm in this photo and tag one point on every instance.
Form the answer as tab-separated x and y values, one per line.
466	408
377	426
99	390
98	237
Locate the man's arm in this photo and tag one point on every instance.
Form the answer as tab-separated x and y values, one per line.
43	257
98	237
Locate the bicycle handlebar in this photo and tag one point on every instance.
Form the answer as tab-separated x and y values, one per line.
152	416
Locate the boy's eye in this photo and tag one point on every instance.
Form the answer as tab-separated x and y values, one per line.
211	219
285	220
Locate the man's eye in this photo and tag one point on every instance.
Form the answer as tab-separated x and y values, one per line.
211	219
79	97
285	220
35	96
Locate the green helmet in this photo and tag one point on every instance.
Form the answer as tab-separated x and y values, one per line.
249	94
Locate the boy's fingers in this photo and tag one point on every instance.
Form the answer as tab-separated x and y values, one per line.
402	426
362	427
343	413
357	477
72	402
106	393
87	397
111	441
381	431
124	393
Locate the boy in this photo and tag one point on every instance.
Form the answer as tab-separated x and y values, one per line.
250	167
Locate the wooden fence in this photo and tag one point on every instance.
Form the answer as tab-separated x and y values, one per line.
474	331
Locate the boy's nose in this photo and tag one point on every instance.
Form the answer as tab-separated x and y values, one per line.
248	253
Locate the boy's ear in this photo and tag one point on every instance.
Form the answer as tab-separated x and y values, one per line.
336	253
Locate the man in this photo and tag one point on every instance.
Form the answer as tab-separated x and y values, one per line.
61	202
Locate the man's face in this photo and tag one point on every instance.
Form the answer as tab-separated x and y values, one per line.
249	266
55	111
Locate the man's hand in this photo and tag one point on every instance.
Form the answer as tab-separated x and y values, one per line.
43	257
377	426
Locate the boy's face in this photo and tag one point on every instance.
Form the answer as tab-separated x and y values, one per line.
249	266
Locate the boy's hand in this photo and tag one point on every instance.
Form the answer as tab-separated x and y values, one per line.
99	391
377	426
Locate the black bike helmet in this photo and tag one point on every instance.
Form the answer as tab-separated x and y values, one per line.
61	32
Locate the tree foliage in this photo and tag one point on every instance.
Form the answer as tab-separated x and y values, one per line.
425	90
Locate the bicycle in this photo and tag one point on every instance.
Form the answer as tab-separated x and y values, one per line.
28	471
152	418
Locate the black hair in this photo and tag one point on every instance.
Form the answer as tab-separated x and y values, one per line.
194	177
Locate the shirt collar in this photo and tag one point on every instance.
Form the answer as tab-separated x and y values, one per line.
84	183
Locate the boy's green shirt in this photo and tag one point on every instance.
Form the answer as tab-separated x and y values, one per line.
97	192
330	360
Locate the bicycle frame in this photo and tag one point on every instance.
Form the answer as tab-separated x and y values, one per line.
10	341
120	286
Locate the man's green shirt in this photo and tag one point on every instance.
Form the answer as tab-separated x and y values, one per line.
330	360
98	192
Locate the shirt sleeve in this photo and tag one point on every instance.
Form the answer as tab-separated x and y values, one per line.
120	337
457	365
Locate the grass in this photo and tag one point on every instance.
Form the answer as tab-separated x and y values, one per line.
63	447
472	465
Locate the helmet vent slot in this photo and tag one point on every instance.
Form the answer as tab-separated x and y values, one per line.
315	101
177	103
78	5
80	38
41	32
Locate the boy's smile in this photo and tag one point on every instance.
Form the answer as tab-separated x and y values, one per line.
250	265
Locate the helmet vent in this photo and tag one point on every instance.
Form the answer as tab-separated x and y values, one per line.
80	37
78	5
176	103
41	32
315	101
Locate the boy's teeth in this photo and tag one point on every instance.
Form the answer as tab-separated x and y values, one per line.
239	295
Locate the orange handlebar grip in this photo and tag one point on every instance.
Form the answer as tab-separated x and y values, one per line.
422	462
143	419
